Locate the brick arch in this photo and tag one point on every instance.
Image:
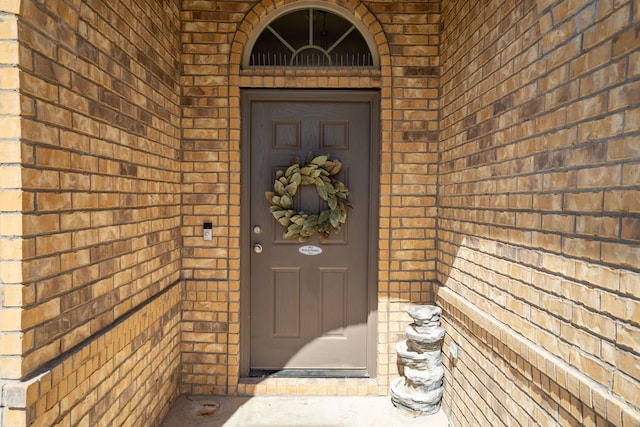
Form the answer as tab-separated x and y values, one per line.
382	79
352	8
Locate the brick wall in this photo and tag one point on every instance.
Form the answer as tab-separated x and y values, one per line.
127	375
510	129
408	162
11	195
91	216
211	184
538	211
214	37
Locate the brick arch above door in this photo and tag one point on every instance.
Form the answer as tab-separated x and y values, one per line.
355	11
211	140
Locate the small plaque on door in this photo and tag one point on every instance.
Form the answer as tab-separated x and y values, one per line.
310	250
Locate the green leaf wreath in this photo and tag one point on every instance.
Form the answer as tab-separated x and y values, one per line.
318	171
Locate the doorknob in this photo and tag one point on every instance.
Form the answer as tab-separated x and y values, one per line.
257	248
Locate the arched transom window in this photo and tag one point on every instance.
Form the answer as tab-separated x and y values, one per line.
310	37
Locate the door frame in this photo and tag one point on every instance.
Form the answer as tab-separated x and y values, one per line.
247	96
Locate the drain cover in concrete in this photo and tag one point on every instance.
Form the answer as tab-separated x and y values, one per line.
197	409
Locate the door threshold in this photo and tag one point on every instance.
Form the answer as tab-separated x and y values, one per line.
308	373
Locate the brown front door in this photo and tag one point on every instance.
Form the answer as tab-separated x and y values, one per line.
309	312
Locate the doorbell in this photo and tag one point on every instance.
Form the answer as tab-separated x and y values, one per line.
207	231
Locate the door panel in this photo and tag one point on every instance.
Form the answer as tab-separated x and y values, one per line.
286	302
333	301
309	312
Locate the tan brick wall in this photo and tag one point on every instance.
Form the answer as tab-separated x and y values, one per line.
214	36
508	165
90	204
538	212
125	376
11	195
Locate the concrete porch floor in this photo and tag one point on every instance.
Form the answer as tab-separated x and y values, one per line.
326	411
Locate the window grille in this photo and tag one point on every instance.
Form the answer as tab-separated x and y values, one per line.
312	38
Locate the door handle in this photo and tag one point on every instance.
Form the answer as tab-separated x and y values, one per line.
257	248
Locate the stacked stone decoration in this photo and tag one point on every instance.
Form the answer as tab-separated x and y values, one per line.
420	389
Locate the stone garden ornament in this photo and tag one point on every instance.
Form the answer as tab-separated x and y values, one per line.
419	391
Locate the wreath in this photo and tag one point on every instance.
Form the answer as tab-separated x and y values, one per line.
318	171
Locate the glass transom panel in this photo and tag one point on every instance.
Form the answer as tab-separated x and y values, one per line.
310	38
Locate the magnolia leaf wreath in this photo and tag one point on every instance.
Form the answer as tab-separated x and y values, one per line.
318	171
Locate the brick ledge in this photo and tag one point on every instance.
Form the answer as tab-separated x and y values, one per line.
523	347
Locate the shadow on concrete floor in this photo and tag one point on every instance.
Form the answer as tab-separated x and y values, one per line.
260	411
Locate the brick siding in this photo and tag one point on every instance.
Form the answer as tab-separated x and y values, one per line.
509	194
91	213
537	211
